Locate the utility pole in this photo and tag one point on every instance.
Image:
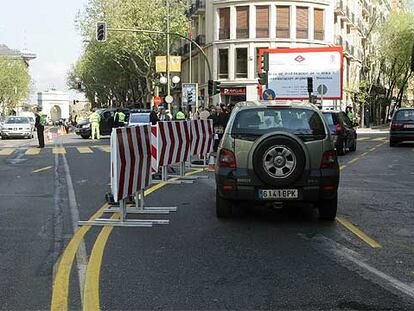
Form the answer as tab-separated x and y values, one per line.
190	74
168	53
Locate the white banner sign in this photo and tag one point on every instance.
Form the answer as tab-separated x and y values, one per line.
289	70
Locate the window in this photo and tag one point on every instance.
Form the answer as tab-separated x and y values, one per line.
224	21
262	22
223	64
283	22
257	61
241	63
318	25
242	30
302	23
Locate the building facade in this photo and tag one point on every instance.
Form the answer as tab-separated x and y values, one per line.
232	32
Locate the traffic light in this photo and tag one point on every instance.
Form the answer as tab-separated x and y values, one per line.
101	31
264	62
189	97
79	85
210	87
216	87
263	78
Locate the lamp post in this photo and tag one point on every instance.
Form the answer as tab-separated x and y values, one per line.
168	53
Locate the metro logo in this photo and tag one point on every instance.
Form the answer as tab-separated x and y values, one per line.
299	58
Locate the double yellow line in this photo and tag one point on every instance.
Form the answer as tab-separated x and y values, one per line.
60	290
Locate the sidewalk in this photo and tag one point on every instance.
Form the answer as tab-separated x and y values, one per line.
377	129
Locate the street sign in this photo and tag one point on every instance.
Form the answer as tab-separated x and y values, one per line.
161	64
157	100
187	89
169	99
269	94
322	89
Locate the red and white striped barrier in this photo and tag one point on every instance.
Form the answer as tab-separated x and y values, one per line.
173	142
202	137
130	160
154	149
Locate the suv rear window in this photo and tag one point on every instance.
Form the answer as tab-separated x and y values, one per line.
302	122
331	118
405	115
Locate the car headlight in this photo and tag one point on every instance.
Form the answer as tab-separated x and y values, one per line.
86	126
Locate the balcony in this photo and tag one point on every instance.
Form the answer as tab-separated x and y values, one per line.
224	33
340	8
197	7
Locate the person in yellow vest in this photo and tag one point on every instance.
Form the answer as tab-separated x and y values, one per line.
119	118
95	119
180	114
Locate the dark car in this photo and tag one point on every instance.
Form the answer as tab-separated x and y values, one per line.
106	125
277	155
402	126
342	130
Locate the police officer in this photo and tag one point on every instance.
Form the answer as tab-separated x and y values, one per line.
119	118
40	128
180	114
95	119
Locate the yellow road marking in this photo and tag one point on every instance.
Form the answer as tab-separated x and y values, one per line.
91	290
353	160
342	167
60	289
58	150
364	154
105	148
84	150
358	232
362	138
379	139
372	149
32	151
6	151
42	169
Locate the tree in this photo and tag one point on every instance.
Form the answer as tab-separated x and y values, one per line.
14	82
123	67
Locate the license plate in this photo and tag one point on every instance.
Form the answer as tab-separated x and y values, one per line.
409	126
278	194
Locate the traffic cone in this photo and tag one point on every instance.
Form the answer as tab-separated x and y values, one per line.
211	163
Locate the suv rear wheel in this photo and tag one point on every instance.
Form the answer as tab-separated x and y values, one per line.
279	160
328	208
224	208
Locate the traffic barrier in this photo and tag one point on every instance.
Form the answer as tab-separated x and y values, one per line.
154	154
130	175
202	137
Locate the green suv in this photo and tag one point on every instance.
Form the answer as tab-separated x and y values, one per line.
277	154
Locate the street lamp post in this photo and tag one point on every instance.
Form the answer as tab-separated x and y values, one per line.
168	53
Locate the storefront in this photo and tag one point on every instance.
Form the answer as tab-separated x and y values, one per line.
232	95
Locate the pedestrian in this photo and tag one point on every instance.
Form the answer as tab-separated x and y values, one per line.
164	116
154	115
95	119
349	113
180	115
40	128
203	113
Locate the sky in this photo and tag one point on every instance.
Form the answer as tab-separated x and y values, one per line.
46	28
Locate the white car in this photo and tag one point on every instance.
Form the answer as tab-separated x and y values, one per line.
139	118
16	127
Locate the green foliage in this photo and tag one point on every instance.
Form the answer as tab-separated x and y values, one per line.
123	68
14	81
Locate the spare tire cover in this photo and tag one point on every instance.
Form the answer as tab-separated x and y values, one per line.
279	160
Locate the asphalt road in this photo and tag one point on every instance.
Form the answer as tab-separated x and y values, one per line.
260	259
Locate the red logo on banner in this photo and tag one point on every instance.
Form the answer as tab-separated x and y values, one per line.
299	58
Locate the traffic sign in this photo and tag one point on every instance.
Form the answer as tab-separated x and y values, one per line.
269	94
157	100
169	99
322	89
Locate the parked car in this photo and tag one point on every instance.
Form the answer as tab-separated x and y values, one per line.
139	118
277	155
343	131
83	128
16	127
32	122
402	126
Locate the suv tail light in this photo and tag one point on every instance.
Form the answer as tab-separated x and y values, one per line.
396	126
227	159
339	129
328	159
